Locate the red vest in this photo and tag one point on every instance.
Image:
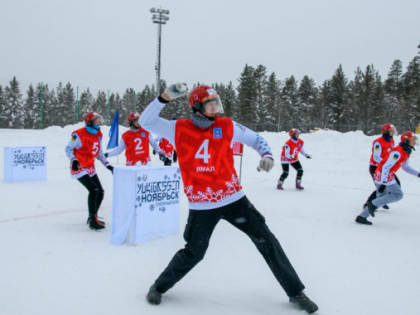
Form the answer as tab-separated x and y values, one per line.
166	147
390	164
136	146
91	145
293	149
206	160
381	146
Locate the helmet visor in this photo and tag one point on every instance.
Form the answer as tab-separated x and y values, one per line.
212	105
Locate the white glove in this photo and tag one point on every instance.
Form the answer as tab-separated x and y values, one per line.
266	163
176	90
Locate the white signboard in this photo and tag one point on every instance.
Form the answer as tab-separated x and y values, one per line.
25	164
145	203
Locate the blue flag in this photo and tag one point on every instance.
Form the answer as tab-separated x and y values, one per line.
113	133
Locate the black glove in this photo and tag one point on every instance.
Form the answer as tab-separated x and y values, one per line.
111	168
106	154
381	188
75	165
308	156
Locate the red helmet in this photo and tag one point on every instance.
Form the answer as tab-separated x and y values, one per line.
133	116
388	127
407	135
294	131
90	117
203	94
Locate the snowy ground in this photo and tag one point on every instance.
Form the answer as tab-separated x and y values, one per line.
51	263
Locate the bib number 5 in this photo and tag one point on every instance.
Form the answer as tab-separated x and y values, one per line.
95	148
203	152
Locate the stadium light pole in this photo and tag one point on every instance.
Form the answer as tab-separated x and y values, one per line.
160	17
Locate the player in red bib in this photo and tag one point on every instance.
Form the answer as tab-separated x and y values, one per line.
204	147
380	148
168	152
86	145
388	189
290	155
135	142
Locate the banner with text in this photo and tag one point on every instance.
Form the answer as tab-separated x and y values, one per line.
145	203
25	164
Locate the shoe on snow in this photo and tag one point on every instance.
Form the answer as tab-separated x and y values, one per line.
362	220
299	185
95	223
304	303
386	207
280	186
154	297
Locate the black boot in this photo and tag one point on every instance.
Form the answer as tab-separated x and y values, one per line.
304	303
95	223
362	220
154	296
386	207
371	208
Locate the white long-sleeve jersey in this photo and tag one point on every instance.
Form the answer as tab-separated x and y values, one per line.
151	121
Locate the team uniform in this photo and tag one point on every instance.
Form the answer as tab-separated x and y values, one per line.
135	142
290	156
380	148
388	188
213	190
84	147
168	152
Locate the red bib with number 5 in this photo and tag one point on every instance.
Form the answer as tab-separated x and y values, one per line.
91	145
136	146
206	160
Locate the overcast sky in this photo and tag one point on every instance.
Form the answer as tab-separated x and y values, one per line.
111	45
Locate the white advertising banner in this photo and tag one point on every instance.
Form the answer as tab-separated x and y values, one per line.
23	164
145	203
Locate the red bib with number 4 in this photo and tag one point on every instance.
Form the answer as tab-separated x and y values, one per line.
136	146
206	160
91	145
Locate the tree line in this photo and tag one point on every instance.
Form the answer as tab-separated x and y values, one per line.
259	100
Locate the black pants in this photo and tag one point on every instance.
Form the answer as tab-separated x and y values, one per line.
96	192
243	215
296	165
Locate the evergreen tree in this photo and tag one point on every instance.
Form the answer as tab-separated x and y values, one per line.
338	101
394	91
100	106
85	103
290	111
31	112
271	111
247	97
3	117
261	83
307	100
14	108
411	105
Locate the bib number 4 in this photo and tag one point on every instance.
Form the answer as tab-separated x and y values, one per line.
203	152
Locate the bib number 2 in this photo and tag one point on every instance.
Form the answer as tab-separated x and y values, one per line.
203	151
